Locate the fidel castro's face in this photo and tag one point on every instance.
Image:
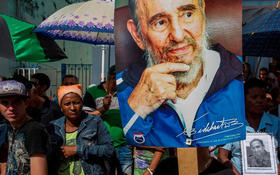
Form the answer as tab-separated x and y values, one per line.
173	29
257	148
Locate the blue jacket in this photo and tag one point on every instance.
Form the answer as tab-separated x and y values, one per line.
93	143
220	118
3	132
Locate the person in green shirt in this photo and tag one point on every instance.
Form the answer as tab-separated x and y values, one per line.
104	102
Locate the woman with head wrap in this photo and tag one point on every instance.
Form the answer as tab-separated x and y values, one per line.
80	141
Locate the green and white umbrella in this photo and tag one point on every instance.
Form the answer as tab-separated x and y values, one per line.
18	42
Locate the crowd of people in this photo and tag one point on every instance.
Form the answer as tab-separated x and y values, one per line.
271	79
71	134
83	134
66	135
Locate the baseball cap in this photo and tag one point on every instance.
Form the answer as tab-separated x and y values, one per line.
12	88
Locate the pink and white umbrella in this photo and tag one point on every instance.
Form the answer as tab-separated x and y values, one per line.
90	22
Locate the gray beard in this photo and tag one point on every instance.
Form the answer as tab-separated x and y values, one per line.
182	78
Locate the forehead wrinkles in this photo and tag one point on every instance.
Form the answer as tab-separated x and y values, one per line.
161	6
142	18
145	9
149	8
149	5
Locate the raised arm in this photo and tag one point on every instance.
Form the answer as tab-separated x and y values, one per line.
223	157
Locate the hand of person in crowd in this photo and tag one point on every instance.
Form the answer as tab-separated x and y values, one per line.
69	151
106	105
146	173
107	102
33	92
156	85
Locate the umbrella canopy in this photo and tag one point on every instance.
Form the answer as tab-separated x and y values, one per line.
251	13
18	42
90	22
261	36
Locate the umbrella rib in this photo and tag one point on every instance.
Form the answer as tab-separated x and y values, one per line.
97	36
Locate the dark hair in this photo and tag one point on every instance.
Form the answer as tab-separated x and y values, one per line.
275	92
43	79
167	166
264	69
256	139
253	82
19	78
70	76
132	7
248	65
3	78
112	70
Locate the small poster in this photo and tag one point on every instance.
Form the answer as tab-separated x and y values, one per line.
259	154
179	72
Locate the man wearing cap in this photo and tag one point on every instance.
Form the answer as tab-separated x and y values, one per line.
26	138
104	99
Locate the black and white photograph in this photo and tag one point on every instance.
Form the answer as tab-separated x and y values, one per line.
258	154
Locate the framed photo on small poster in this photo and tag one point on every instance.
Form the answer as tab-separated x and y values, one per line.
258	154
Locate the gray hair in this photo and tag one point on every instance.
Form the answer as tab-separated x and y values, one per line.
133	12
132	4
